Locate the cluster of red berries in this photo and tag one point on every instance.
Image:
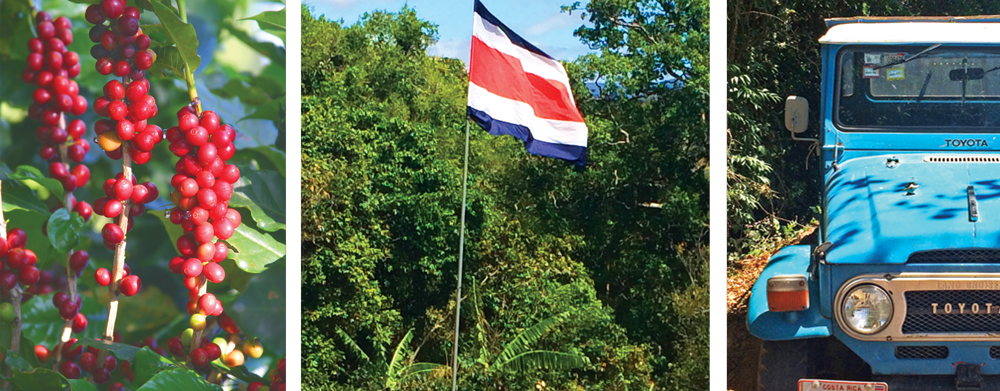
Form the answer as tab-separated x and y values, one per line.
276	377
76	361
203	187
51	66
118	191
19	263
123	49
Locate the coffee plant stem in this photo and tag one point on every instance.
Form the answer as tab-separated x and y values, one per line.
15	300
202	288
119	266
67	330
188	74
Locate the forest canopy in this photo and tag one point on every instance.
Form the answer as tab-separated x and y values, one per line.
592	277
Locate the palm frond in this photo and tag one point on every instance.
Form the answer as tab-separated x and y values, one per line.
352	346
523	341
396	365
544	359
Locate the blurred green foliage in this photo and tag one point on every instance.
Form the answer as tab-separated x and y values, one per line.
618	248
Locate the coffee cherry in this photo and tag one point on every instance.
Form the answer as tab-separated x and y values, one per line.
252	348
60	298
199	358
42	354
101	375
112	233
175	347
6	312
130	285
79	260
69	369
79	323
103	277
209	305
211	349
197	322
69	352
192	267
28	275
68	311
88	361
233	359
214	272
8	279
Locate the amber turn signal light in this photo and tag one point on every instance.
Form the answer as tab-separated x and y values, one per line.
787	293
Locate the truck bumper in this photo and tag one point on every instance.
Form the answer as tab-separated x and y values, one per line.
780	326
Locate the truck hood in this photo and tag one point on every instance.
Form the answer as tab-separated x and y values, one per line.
872	218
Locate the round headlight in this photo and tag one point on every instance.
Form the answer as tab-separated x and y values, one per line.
867	309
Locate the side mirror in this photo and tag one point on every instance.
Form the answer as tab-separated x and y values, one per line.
796	114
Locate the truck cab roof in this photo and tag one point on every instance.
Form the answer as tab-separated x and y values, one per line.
981	29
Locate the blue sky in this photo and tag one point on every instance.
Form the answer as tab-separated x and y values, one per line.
541	22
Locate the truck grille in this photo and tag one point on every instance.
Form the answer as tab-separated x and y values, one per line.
958	255
921	317
923	352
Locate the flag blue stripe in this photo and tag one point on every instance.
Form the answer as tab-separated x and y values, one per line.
572	153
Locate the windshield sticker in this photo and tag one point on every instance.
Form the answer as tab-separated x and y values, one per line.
889	58
895	74
871	72
873	58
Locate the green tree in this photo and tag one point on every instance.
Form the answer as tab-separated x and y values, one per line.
617	244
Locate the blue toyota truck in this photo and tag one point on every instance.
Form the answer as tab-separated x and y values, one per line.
901	291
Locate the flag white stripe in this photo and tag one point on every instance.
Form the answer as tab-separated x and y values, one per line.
532	63
521	113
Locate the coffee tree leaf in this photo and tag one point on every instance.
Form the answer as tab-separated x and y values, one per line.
17	195
181	34
64	230
262	193
41	321
39	379
254	250
121	351
271	21
173	231
147	364
81	385
178	379
29	173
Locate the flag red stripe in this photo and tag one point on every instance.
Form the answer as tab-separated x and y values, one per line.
502	74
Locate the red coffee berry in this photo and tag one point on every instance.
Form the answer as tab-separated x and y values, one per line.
79	323
112	233
214	272
192	267
79	260
199	358
69	369
42	354
103	277
130	285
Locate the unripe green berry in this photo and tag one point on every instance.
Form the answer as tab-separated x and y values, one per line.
186	337
6	312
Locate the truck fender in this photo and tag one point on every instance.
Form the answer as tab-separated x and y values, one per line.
780	326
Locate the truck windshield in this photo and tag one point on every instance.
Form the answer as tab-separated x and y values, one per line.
944	87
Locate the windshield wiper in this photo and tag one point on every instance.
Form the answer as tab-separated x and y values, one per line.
911	58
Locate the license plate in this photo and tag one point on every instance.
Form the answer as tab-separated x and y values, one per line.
840	385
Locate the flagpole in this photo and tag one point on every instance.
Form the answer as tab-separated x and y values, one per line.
461	255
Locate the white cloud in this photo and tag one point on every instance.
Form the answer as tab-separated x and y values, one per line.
554	22
345	4
454	48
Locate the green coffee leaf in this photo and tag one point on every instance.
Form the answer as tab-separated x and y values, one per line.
17	195
121	351
81	385
147	364
29	173
272	22
178	379
39	379
261	192
173	231
64	230
241	372
181	34
41	321
253	250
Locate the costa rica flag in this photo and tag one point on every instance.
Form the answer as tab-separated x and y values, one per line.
517	89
